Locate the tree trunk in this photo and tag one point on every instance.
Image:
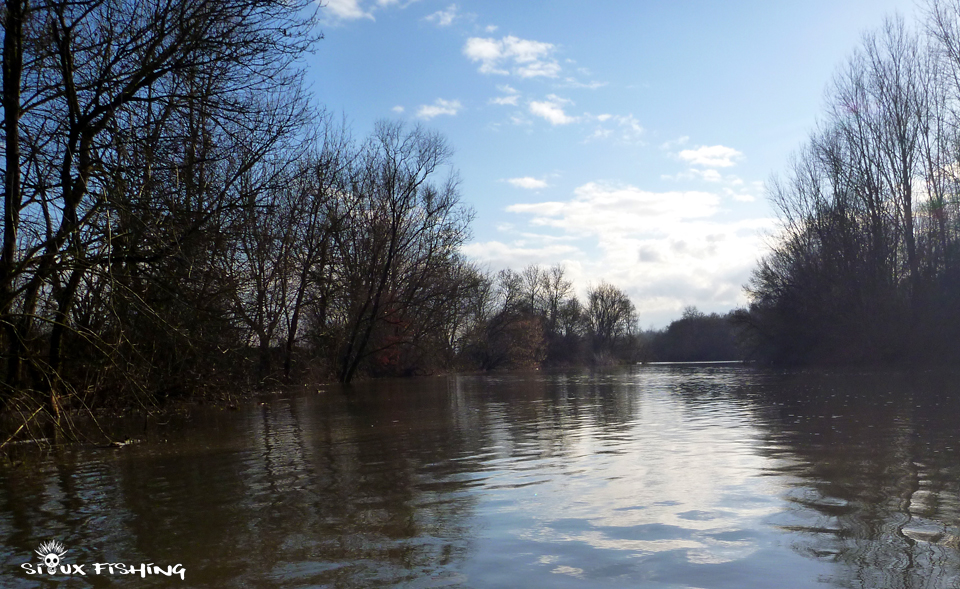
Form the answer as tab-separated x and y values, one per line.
16	13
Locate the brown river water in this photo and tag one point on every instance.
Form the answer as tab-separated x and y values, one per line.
669	476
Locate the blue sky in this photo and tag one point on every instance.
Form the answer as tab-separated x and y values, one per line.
629	141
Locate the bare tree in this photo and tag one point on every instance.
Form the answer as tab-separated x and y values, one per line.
557	290
400	225
610	315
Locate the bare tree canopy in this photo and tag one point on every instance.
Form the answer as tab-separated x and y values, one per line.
131	131
610	314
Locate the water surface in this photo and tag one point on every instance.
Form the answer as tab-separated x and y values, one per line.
659	476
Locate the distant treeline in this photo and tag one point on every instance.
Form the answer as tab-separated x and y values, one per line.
866	266
695	337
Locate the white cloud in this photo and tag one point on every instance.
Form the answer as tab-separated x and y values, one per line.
524	50
599	208
346	9
551	109
631	123
512	95
443	18
574	83
732	186
527	58
528	182
546	69
628	128
489	52
666	249
674	143
491	28
709	175
520	121
400	3
513	255
738	192
600	134
397	109
439	107
714	156
340	10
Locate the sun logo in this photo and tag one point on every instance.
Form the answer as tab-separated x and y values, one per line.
51	552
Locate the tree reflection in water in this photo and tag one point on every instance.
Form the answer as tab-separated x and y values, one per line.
874	472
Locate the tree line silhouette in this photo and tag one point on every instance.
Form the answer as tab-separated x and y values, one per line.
866	265
696	337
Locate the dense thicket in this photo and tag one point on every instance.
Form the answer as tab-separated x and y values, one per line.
867	264
695	337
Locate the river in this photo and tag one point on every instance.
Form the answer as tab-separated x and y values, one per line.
672	476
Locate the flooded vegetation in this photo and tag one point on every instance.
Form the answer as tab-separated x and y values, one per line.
648	476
